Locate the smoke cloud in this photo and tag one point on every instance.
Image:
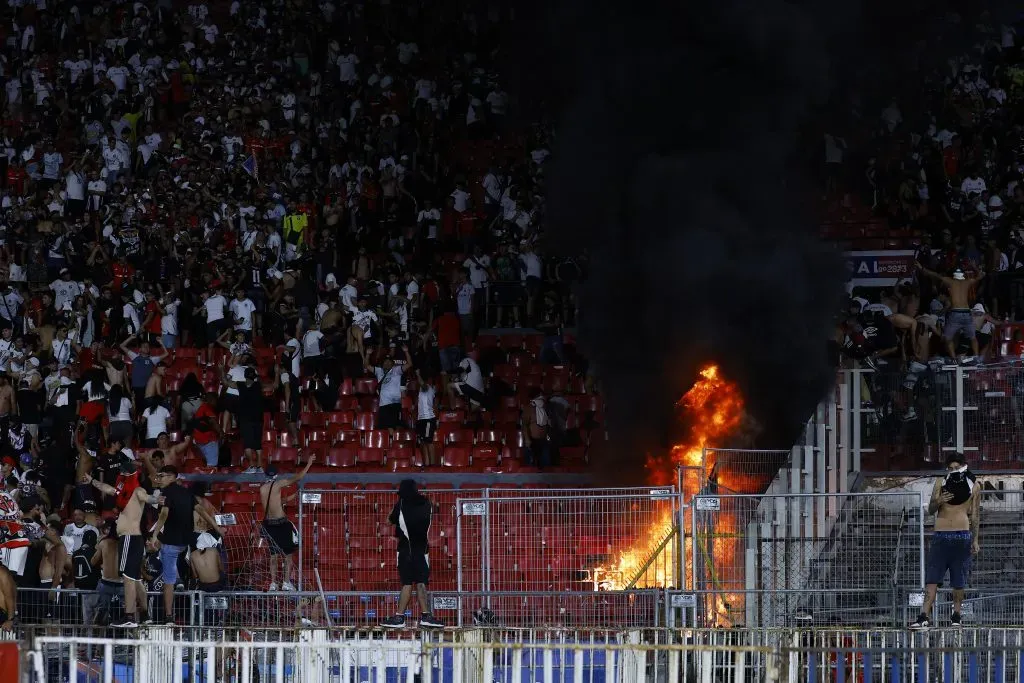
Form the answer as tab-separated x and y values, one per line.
680	168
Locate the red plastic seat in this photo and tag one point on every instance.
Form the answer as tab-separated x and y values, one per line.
348	436
458	416
456	456
404	436
285	454
313	419
341	456
377	438
366	386
340	417
365	421
488	436
461	436
486	456
370	456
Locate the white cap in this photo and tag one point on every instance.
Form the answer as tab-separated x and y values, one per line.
330	280
206	540
978	308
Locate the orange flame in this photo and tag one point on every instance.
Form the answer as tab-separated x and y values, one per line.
712	410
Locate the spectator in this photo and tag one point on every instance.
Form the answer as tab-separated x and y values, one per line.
173	531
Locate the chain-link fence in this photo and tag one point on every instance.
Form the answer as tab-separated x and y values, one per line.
579	541
774	560
909	417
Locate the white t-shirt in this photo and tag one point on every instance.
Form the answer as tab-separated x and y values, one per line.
461	198
311	343
390	384
242	310
296	352
215	308
156	421
124	411
425	403
478	269
237	375
169	321
75	184
347	68
464	299
970	185
474	377
118	75
61	351
364	320
51	165
75	533
65	292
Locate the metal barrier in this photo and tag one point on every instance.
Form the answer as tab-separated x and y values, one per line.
914	417
568	542
826	558
317	656
983	655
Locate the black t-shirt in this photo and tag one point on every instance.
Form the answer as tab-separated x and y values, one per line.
178	529
86	575
250	402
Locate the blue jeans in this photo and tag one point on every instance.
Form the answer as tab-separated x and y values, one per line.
169	559
170	341
210	451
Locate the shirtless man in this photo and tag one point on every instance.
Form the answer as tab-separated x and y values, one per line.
209	572
955	502
8	406
110	574
276	528
173	453
131	548
8	599
355	351
83	497
155	383
959	318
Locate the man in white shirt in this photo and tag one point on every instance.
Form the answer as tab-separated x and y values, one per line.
77	528
312	349
112	160
118	75
52	161
471	385
214	305
242	309
428	220
532	269
65	290
347	68
973	184
364	319
74	189
389	378
460	197
348	295
10	301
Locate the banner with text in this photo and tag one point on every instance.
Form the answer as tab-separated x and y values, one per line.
879	268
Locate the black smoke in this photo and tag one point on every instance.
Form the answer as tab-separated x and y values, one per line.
688	134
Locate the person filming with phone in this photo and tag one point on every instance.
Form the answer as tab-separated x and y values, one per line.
955	502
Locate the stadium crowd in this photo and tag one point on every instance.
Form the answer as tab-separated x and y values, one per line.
258	236
939	171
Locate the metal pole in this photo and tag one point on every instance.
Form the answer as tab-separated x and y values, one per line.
959	376
458	555
301	537
486	568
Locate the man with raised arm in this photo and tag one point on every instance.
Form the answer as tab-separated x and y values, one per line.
959	319
131	544
280	533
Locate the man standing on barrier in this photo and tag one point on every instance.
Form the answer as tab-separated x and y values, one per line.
411	517
955	502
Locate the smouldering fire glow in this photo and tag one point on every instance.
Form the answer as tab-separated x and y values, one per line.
712	412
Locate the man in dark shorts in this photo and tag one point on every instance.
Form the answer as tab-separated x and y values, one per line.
280	533
206	564
389	378
411	517
250	415
955	502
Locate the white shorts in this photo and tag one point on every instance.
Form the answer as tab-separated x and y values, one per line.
14	559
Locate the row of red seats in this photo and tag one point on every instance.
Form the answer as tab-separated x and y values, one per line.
405	456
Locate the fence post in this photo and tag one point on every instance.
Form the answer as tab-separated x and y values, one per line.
458	555
959	378
856	429
301	537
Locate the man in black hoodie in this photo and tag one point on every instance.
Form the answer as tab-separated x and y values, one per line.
411	517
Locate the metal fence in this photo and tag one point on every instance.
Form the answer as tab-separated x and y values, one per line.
317	656
983	655
774	560
568	542
912	417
